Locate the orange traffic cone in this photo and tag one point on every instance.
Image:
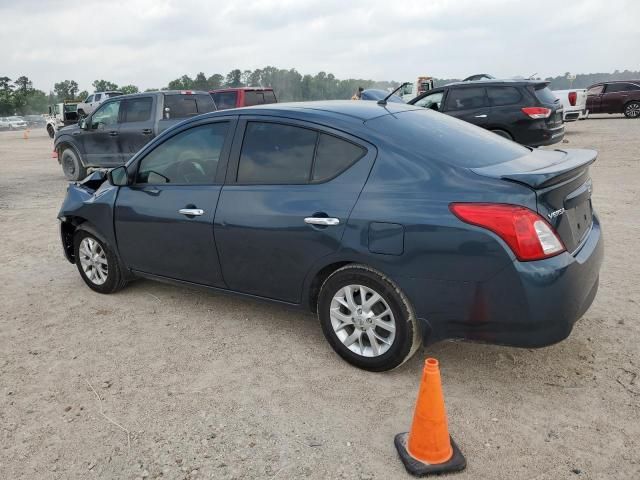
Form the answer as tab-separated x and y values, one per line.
428	448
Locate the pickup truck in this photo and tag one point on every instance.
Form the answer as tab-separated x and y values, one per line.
574	102
242	97
121	126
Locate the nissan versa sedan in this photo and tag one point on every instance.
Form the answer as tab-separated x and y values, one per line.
396	224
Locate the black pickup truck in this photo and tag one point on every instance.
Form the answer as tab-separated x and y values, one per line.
121	126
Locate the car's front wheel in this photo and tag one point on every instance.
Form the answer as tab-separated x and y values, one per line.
367	319
97	263
632	110
51	131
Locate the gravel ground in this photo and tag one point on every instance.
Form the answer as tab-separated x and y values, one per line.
164	382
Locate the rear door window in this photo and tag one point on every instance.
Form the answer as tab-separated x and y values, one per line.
620	87
205	103
466	98
499	96
334	156
137	109
224	100
181	106
274	153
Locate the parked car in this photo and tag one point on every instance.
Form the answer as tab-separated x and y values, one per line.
35	120
225	98
61	115
396	225
378	94
4	124
615	97
92	101
15	122
521	110
121	126
574	103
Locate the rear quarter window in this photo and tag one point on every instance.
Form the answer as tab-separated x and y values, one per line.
434	137
333	156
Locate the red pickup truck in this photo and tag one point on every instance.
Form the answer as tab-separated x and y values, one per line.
242	97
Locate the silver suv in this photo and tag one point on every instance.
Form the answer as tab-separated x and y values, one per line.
92	101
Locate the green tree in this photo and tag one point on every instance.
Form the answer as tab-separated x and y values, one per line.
201	82
127	89
215	81
104	85
66	90
185	82
6	96
82	95
234	79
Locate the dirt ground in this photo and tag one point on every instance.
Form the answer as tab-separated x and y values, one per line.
195	385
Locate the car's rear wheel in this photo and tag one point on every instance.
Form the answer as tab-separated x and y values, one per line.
97	263
632	110
71	165
367	319
503	134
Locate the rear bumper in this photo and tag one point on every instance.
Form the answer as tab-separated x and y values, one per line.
528	304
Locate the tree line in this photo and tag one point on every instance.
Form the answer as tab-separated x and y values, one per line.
20	97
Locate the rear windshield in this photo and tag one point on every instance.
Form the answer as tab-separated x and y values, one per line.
182	106
545	95
251	97
438	137
113	94
225	100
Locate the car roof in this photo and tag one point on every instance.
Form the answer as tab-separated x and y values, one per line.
166	92
494	81
353	110
236	89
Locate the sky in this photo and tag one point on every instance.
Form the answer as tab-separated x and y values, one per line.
150	42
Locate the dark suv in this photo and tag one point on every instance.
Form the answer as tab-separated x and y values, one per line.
525	111
615	97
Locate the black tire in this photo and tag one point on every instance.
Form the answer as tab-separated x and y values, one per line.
114	279
81	113
407	334
632	109
71	165
51	131
503	134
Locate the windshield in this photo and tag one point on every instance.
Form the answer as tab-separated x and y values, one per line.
438	137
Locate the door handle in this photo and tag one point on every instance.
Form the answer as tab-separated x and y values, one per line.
151	190
484	115
325	221
147	131
191	212
113	134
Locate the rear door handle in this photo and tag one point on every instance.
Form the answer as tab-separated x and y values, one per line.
147	131
191	212
325	221
484	115
113	134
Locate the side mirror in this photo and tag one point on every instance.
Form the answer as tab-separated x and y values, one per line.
82	123
118	176
167	113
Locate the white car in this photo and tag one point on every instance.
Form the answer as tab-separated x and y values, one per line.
13	123
92	101
574	102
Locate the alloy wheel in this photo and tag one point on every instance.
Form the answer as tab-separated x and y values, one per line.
93	261
633	110
362	320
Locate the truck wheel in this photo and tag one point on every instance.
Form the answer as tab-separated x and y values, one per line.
72	166
50	131
632	110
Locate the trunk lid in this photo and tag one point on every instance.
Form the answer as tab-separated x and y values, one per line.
561	182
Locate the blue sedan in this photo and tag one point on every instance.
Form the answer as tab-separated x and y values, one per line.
398	226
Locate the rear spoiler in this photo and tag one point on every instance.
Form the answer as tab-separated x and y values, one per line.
542	168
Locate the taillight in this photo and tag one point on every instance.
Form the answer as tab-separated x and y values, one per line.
573	96
527	233
537	112
186	92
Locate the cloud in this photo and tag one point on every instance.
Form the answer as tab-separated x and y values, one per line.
150	42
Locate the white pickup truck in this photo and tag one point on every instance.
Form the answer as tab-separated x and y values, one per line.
574	102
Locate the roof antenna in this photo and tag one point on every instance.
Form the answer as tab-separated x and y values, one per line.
384	100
